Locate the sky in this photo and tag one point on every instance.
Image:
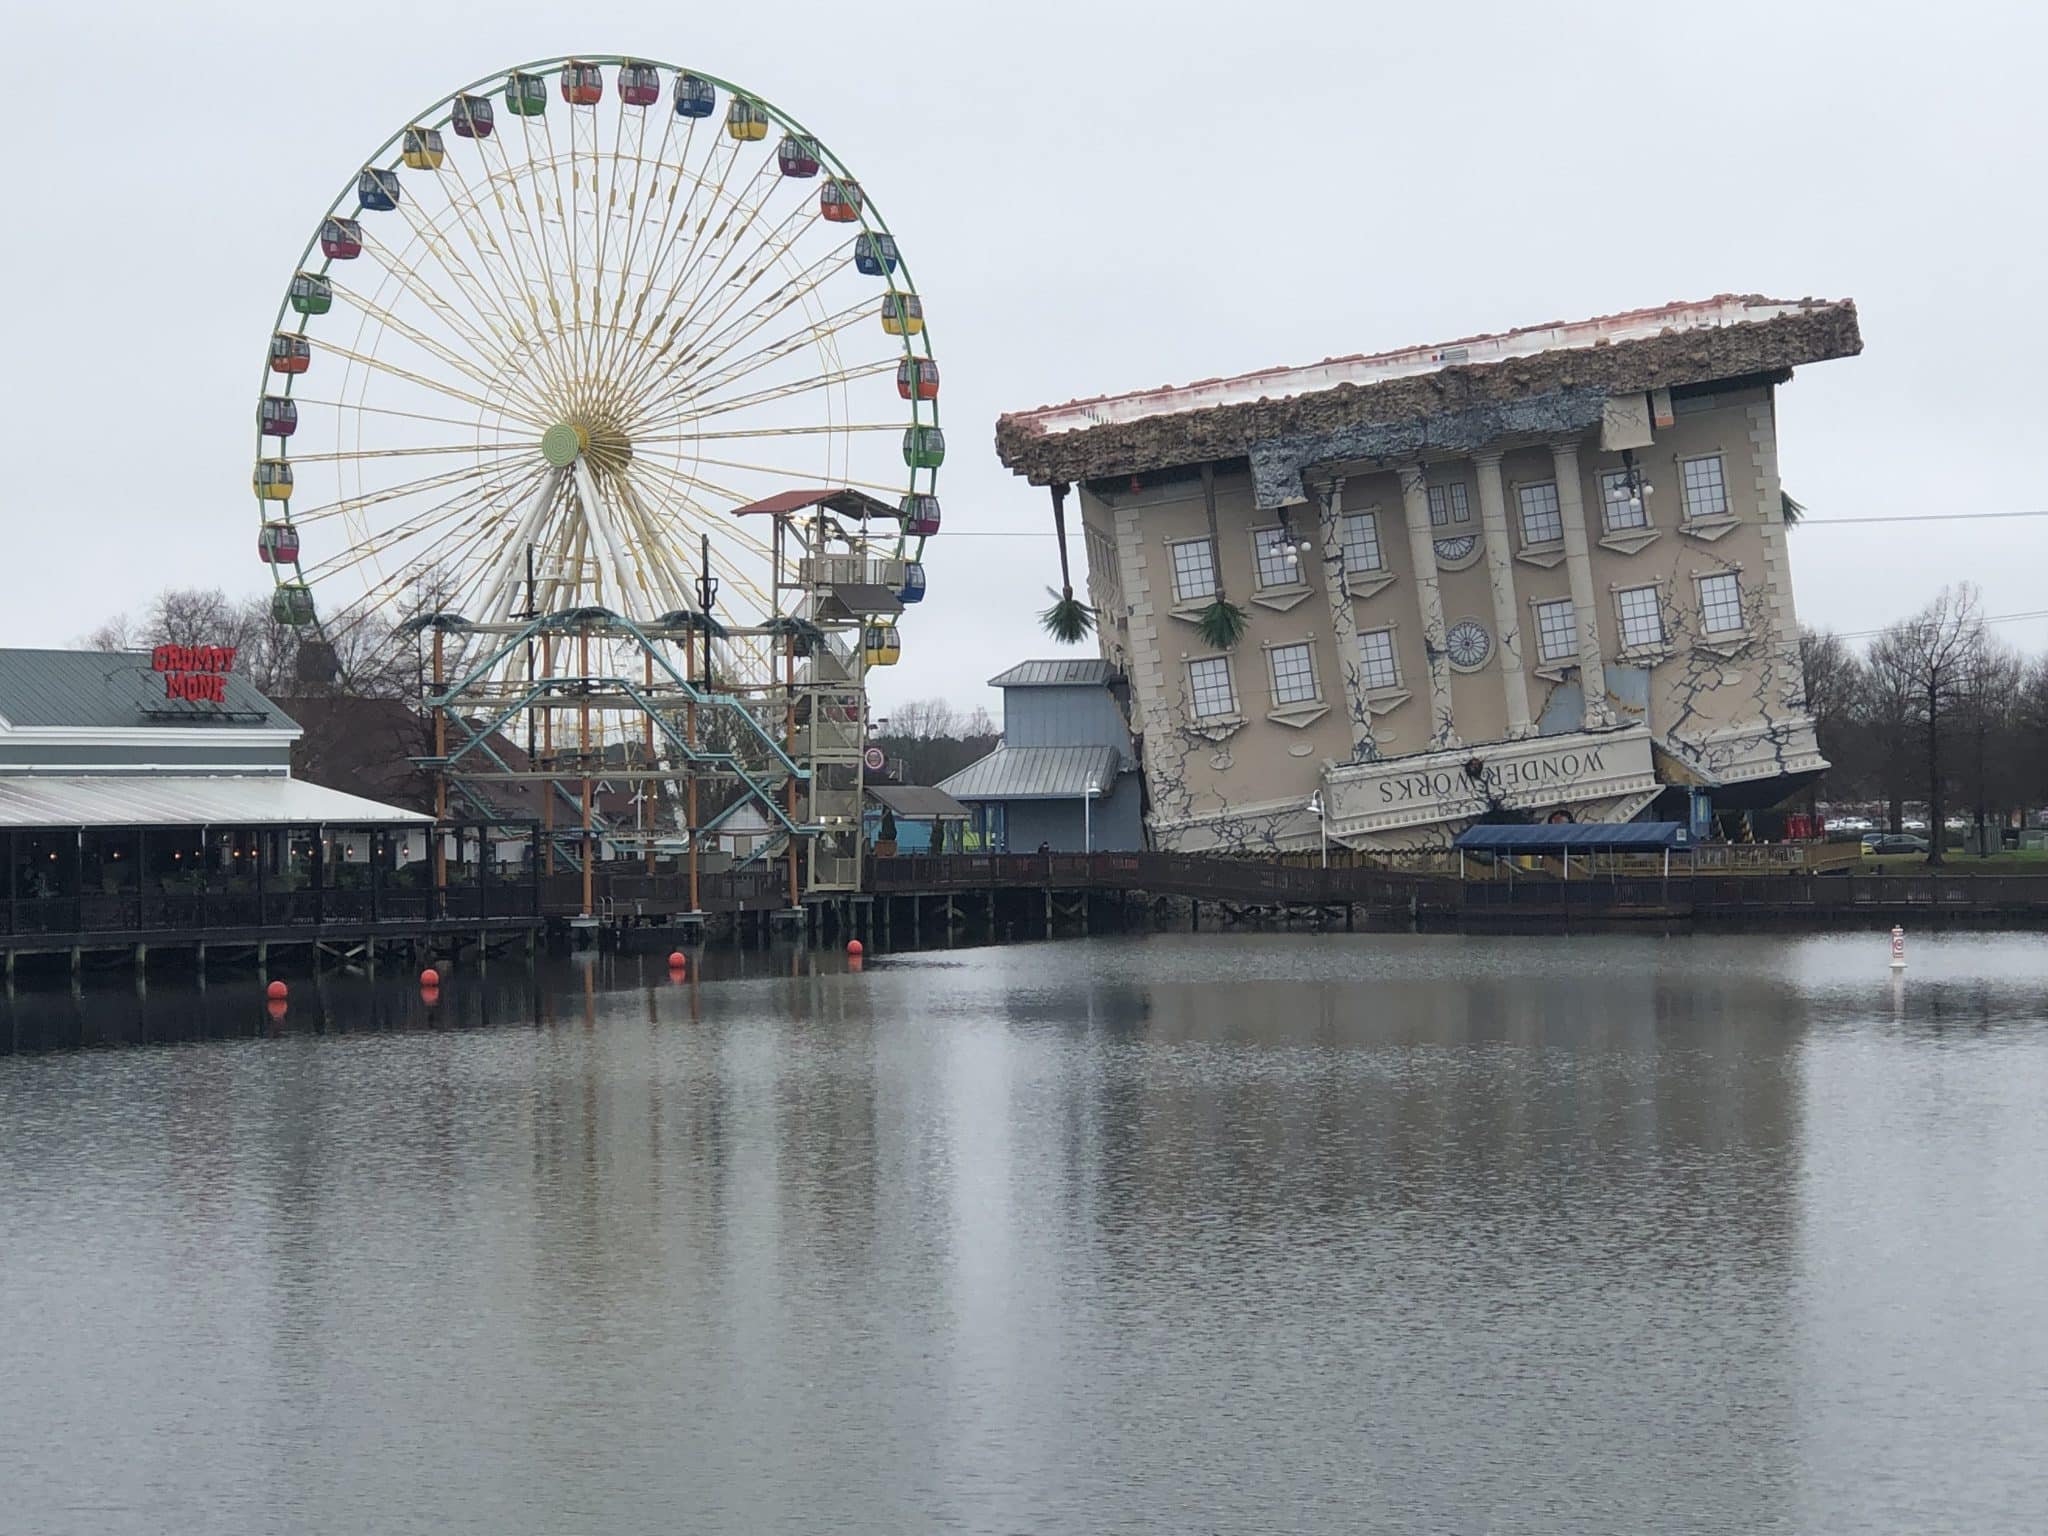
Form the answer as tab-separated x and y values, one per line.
1095	197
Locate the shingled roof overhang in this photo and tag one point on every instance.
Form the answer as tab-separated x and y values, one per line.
1428	402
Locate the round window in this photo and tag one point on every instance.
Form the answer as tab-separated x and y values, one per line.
1468	645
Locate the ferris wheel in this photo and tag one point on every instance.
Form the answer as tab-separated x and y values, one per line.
561	328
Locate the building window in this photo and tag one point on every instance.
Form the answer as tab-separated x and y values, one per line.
1468	644
1294	674
1705	493
1622	504
1358	535
1720	603
1214	697
1277	560
1557	631
1641	612
1542	523
1376	654
1447	505
1194	570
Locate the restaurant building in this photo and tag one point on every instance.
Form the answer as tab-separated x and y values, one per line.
145	793
1529	576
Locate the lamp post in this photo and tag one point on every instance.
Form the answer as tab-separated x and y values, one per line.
1088	817
1315	805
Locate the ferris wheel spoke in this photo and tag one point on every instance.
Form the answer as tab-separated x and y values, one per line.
771	251
815	429
469	423
479	376
661	362
386	494
700	407
715	196
674	222
513	253
456	508
729	368
384	365
635	225
680	506
485	310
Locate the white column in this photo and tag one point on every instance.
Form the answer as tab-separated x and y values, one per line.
1429	598
1500	575
1343	621
1578	564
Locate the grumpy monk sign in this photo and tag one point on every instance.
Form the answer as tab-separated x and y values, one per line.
197	673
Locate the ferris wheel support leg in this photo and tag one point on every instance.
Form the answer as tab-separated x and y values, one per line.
599	520
504	578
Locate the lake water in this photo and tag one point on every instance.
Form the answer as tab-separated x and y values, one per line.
1182	1234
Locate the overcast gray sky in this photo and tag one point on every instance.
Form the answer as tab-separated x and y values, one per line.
1095	197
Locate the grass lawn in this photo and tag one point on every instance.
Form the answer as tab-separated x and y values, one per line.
2012	862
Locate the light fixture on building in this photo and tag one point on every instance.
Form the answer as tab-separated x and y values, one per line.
1637	486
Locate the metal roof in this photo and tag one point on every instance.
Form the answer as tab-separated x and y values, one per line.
109	689
841	499
919	802
1059	672
1578	836
1036	773
168	800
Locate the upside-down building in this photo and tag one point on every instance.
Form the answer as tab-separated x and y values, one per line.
1541	574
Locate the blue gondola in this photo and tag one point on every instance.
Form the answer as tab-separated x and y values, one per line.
874	254
912	590
378	190
695	96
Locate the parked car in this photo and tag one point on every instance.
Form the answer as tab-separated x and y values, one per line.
1914	824
1851	823
1894	842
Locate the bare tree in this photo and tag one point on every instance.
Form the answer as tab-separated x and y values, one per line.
1991	717
1923	664
1835	686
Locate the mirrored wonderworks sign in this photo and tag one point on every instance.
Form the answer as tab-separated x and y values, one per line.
1603	776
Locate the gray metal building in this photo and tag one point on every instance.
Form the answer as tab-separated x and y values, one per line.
1066	776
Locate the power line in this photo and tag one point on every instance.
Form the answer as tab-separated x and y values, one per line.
1913	517
1989	618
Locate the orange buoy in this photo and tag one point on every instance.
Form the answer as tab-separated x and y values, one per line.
430	977
677	960
853	947
276	991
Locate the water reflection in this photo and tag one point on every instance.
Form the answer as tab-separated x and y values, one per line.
1277	1232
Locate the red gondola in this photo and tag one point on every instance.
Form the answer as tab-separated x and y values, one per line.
639	84
920	516
474	117
341	239
582	84
917	378
290	353
797	155
278	544
840	201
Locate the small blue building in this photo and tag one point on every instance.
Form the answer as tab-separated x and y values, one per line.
1066	776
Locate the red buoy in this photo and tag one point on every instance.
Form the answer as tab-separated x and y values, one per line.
677	960
276	991
853	947
430	977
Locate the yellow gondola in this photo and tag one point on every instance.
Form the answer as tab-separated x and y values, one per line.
880	646
423	151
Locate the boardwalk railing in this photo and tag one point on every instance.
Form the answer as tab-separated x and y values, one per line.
1204	877
1164	874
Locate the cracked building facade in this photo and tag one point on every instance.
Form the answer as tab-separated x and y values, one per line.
1535	574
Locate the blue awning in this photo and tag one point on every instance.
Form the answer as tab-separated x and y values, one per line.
1578	837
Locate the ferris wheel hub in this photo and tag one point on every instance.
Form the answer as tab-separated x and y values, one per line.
562	443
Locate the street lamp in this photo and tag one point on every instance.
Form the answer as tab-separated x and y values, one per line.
1315	806
1088	817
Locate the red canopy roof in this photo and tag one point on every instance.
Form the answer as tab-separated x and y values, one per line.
843	500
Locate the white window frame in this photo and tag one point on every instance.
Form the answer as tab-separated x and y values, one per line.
1195	671
1571	610
1369	518
1627	644
1273	539
1694	513
1708	605
1449	503
1392	659
1173	549
1556	510
1307	649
